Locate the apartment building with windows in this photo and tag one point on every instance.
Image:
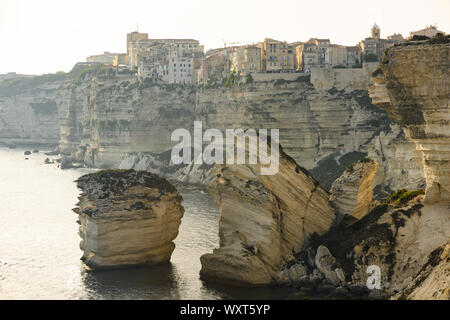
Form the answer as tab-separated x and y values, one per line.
277	56
181	70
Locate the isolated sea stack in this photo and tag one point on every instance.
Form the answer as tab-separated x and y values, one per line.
264	220
127	218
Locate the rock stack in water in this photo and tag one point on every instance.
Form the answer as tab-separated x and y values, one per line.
264	220
127	218
351	193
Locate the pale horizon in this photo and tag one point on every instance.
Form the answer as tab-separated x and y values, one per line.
47	36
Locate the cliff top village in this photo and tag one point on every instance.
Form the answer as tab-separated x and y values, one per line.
184	60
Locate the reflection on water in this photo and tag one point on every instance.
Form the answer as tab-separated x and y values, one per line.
39	245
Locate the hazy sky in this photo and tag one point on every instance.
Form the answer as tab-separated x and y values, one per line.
43	36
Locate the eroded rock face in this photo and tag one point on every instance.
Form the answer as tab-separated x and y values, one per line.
398	238
28	110
264	220
433	281
101	116
351	193
413	88
161	164
127	218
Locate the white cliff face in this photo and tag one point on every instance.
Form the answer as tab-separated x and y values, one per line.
161	164
399	163
264	220
323	130
412	87
102	116
351	193
127	218
28	110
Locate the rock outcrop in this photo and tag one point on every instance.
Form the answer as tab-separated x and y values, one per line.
398	237
412	86
433	281
326	264
161	164
264	220
127	218
351	193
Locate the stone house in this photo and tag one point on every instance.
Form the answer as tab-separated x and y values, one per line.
311	54
246	59
277	56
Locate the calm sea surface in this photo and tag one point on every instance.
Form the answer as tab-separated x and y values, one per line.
39	244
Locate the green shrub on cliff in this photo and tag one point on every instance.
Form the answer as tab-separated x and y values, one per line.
232	78
248	79
402	196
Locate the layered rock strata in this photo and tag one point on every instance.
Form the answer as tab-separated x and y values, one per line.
127	218
412	86
28	110
351	193
160	163
99	115
264	219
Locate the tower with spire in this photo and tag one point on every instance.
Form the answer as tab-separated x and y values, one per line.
375	31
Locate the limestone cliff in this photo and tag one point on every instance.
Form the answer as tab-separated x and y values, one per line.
127	218
398	237
264	220
351	193
160	163
28	109
325	131
412	86
433	281
104	114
